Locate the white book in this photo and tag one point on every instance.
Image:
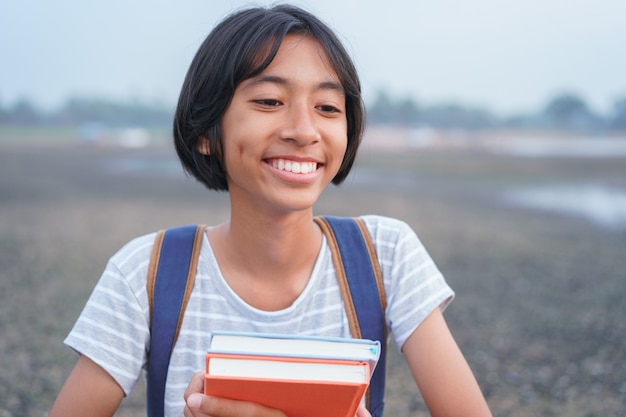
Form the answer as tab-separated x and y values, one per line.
319	347
270	367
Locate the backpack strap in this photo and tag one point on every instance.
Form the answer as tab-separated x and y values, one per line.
175	259
171	276
362	290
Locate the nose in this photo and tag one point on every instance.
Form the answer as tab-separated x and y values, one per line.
300	126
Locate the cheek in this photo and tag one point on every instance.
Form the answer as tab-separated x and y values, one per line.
340	146
234	134
239	146
341	135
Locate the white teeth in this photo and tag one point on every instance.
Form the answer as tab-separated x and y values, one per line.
295	167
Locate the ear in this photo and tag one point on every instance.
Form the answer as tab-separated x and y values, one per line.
202	145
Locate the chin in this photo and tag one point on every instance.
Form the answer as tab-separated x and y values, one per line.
298	204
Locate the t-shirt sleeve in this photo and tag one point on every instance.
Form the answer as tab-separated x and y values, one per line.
414	285
113	329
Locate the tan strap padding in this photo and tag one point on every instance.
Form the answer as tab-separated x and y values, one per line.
353	320
371	250
152	268
374	261
191	276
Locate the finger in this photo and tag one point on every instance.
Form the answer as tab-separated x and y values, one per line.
187	412
197	406
196	385
223	407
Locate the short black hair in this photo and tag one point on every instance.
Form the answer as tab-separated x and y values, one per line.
239	48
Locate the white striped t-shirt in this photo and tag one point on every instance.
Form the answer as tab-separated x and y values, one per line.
113	329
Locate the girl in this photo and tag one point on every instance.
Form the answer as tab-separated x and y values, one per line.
270	111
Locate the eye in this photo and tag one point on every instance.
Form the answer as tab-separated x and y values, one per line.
328	109
268	102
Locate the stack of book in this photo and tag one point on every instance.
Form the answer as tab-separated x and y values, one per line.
304	376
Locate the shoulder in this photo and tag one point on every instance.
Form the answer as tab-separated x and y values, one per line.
387	229
413	283
375	220
137	250
395	241
133	259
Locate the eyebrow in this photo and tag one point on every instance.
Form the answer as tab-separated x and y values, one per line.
281	81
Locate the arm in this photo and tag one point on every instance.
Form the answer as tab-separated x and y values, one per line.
88	391
441	371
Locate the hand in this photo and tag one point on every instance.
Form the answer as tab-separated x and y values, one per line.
200	405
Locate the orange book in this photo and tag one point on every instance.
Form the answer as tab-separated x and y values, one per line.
302	387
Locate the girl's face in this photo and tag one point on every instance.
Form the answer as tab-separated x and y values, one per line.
285	131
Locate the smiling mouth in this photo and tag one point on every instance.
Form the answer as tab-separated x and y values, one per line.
293	166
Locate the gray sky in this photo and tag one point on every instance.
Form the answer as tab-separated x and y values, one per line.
505	55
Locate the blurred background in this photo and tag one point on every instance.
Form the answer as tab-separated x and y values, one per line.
496	129
479	63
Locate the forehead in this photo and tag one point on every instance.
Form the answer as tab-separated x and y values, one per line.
299	58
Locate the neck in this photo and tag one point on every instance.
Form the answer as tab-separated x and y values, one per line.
267	262
267	246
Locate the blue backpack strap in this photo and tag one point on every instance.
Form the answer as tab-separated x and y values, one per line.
362	291
171	276
175	256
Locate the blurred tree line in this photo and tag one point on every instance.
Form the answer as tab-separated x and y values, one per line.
563	112
80	111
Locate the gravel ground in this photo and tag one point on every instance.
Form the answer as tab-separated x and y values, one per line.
539	311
